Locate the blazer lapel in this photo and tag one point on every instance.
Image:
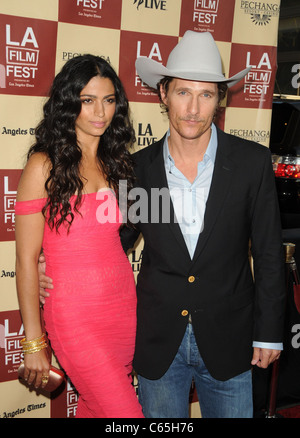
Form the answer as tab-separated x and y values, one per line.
221	181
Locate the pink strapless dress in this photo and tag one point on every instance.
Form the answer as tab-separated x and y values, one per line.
90	316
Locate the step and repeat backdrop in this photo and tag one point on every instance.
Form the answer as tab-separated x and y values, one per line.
36	38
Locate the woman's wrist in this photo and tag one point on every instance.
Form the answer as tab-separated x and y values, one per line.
34	345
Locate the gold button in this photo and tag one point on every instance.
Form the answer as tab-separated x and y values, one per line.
184	313
191	279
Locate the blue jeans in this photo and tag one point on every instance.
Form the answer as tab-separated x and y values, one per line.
168	397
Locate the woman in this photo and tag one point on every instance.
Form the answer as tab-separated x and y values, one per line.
75	166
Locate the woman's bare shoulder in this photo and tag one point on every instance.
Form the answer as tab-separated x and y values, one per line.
34	176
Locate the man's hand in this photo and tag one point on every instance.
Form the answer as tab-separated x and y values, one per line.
263	357
44	281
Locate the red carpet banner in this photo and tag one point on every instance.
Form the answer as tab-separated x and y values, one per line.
37	37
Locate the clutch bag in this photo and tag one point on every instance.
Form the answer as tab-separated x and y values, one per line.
56	377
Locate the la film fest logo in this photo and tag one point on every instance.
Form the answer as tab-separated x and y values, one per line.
205	11
260	13
21	57
257	81
90	7
154	53
157	50
9	200
208	16
8	191
99	13
72	400
134	45
11	333
27	56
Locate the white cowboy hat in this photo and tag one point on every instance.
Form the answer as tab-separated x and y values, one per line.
196	57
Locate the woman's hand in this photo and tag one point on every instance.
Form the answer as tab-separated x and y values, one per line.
37	365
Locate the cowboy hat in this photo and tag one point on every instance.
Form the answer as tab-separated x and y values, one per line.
196	57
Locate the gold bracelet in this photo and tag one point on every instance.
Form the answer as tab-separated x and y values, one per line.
40	338
34	342
34	345
29	350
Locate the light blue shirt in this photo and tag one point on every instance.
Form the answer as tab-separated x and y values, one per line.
189	199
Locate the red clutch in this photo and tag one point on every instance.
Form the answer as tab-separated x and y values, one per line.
56	377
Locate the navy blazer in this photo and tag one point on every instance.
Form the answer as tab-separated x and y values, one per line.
229	309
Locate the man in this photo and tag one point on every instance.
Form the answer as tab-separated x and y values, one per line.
199	309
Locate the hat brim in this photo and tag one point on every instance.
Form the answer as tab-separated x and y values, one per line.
151	72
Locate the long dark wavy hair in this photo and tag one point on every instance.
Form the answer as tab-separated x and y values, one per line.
55	136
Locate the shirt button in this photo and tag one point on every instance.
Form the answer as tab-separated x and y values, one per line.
184	313
191	279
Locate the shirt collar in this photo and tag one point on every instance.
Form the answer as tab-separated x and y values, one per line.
209	154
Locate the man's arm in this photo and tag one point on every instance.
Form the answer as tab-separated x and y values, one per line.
269	273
